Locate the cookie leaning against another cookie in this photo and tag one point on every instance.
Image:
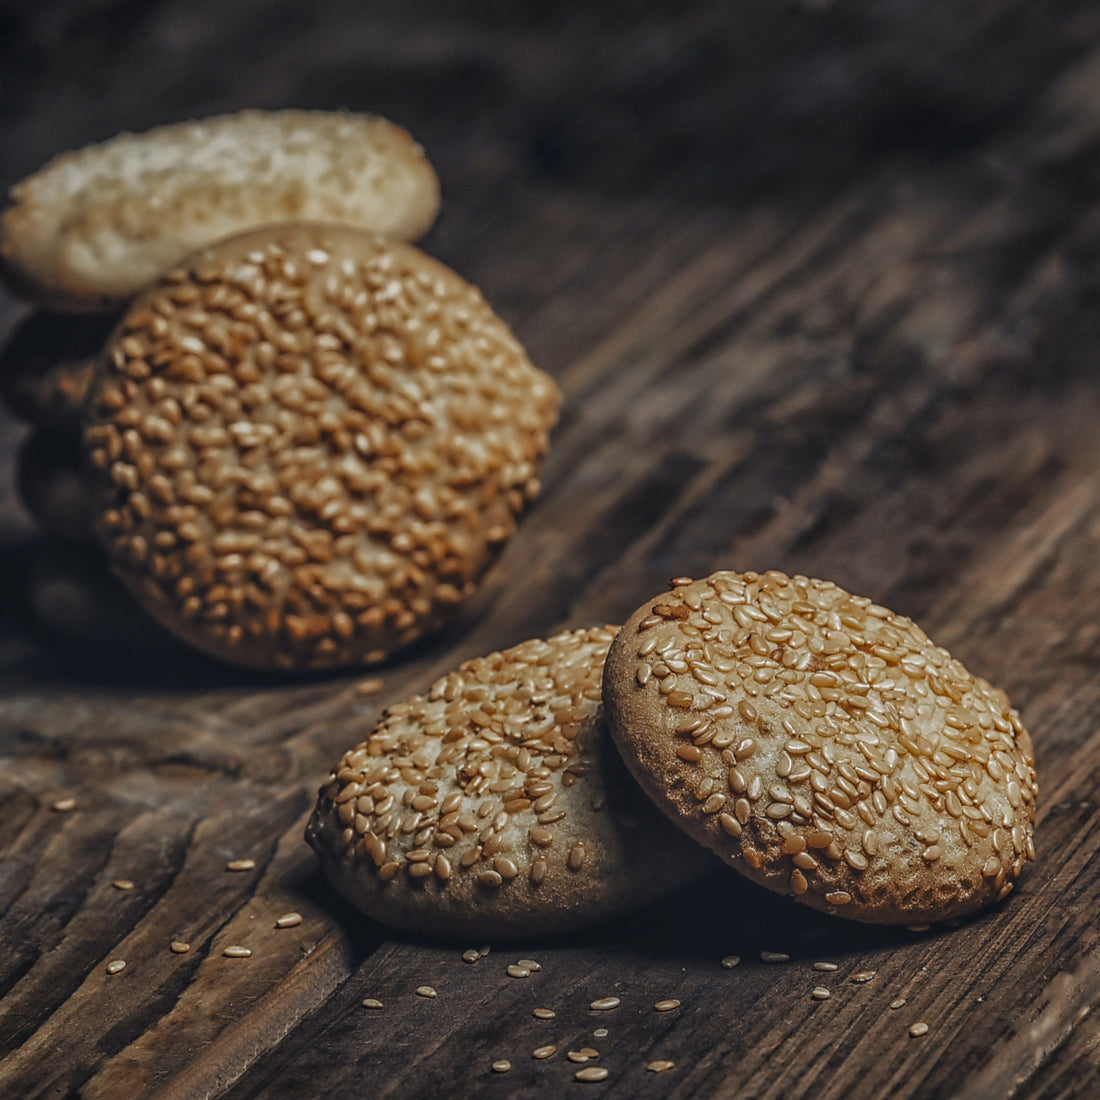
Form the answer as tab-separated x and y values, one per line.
94	226
823	746
496	805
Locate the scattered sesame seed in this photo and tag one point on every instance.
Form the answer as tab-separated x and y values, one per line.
516	971
826	966
471	956
918	927
178	947
660	1066
529	964
240	865
820	993
236	952
863	976
590	1052
577	1056
116	966
774	957
666	1006
288	920
899	1003
122	884
425	991
371	1002
600	1033
64	805
547	1051
483	951
730	961
502	1066
543	1013
602	1004
917	1030
371	686
591	1073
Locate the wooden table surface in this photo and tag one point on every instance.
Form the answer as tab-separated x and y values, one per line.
821	283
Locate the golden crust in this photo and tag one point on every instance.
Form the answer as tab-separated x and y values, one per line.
495	805
824	747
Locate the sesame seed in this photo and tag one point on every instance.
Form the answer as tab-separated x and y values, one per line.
826	966
426	991
577	1056
471	956
590	1052
668	1005
543	1013
370	686
863	976
600	1033
774	957
179	947
591	1073
64	805
288	920
122	884
116	966
547	1051
529	964
602	1004
502	1066
660	1066
730	961
899	1003
919	1029
515	971
234	951
371	1002
240	865
820	993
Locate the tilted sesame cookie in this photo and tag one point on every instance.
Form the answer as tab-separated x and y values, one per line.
823	746
496	805
306	445
94	226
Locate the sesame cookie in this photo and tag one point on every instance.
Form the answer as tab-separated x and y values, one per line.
496	806
305	446
94	226
823	746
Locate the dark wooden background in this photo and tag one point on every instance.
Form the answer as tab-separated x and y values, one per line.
821	283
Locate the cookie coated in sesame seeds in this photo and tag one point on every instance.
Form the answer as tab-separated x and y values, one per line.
305	446
823	746
495	805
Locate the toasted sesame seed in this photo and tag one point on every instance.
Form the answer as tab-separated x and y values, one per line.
591	1073
288	920
602	1004
122	884
240	865
234	951
547	1051
590	1052
426	991
600	1033
179	947
116	966
899	1003
529	964
543	1013
660	1066
64	805
667	1005
730	961
826	966
820	993
515	971
919	1029
863	976
502	1065
577	1056
471	956
371	1002
371	686
774	957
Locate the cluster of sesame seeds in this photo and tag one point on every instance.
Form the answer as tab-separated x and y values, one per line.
470	781
308	444
824	734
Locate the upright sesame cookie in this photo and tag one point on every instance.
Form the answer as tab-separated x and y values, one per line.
94	226
307	444
823	746
496	805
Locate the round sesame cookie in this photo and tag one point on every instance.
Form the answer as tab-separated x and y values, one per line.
306	445
496	806
823	746
95	225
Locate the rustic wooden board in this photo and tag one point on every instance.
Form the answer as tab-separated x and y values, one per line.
820	283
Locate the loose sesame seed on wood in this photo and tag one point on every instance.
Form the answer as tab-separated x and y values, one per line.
64	805
371	1002
235	951
604	1004
116	966
288	920
918	1029
240	865
543	1013
123	884
591	1073
426	991
179	947
660	1065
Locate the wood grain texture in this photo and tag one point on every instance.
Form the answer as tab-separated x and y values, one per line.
820	284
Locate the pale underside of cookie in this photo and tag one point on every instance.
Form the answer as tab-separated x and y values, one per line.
496	806
94	226
305	446
823	746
